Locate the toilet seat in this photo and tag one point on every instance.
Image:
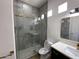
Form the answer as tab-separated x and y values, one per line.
43	51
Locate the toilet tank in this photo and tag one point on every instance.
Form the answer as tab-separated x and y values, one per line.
46	45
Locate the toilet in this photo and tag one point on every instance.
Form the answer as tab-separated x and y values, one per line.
45	51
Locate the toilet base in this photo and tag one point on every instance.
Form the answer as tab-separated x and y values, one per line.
43	57
47	56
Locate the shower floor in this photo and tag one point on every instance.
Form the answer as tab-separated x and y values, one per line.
28	53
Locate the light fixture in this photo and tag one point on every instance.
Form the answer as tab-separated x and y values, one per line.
49	13
39	18
72	11
74	15
42	16
24	6
35	21
62	7
76	10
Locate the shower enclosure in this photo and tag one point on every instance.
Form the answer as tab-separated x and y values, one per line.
30	30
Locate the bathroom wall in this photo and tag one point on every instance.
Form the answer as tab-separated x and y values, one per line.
6	28
54	22
24	18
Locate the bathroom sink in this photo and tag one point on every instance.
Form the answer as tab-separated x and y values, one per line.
72	51
67	50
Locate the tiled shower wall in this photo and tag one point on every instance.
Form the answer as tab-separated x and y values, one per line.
23	29
23	21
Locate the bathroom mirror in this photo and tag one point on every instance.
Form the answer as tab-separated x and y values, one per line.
70	25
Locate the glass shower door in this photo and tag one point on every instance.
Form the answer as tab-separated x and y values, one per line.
27	39
30	33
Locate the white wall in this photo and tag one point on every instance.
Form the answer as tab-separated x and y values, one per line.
6	28
54	22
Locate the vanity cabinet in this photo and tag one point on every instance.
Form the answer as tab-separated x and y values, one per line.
57	55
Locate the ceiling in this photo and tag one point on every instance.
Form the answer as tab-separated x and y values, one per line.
35	3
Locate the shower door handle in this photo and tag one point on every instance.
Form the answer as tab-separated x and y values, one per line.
10	54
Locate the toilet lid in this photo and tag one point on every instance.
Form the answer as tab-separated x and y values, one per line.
43	51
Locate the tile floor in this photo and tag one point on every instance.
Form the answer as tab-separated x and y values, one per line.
37	56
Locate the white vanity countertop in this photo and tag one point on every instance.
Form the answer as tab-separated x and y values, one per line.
66	50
